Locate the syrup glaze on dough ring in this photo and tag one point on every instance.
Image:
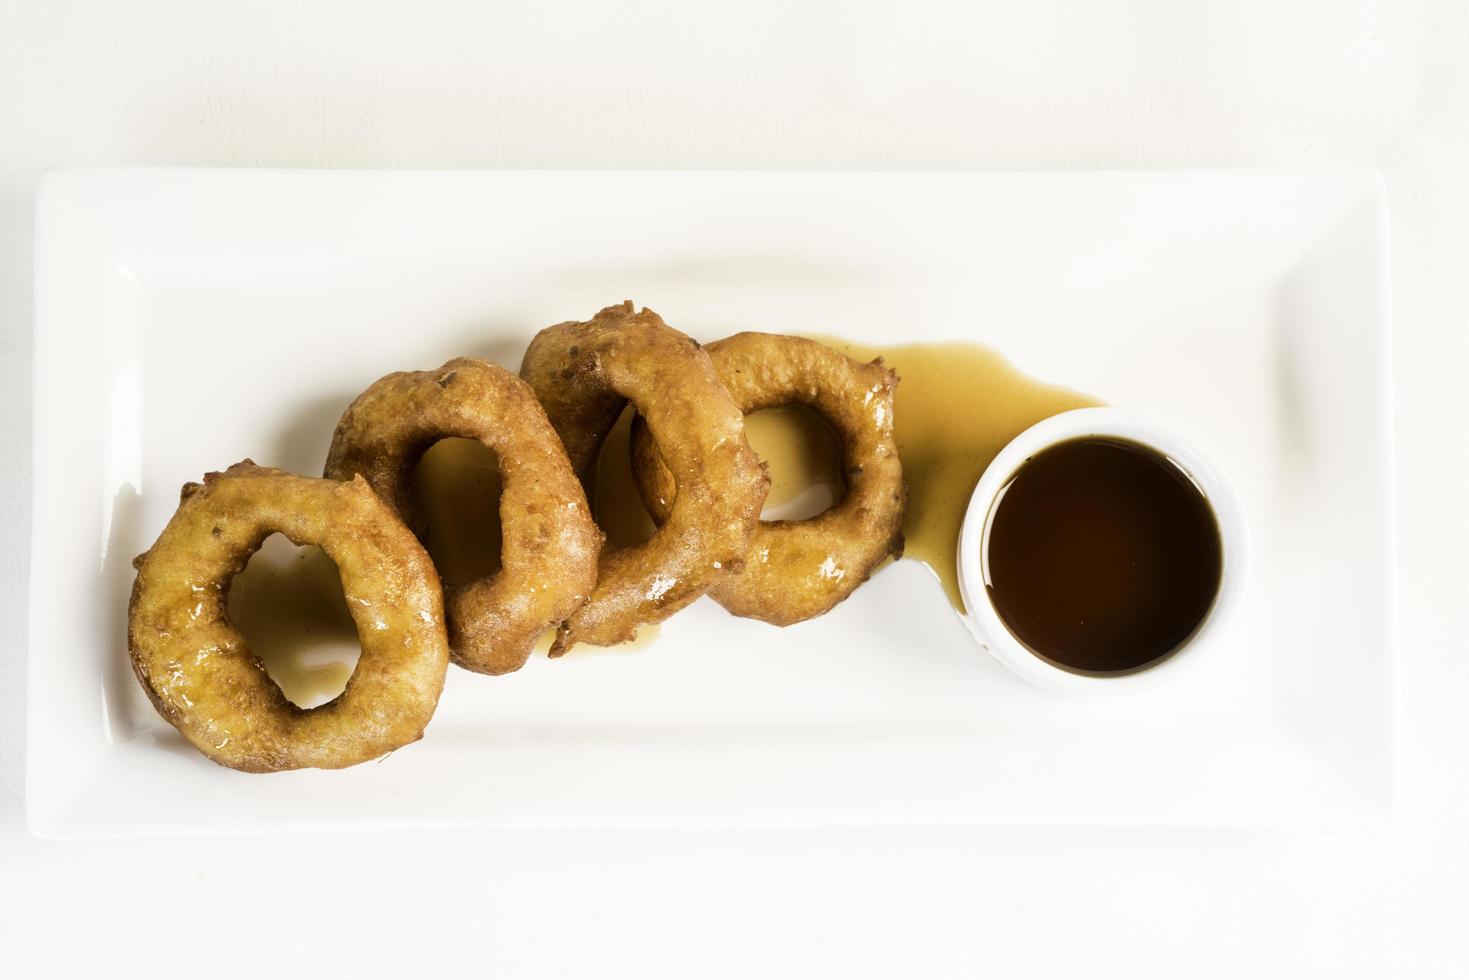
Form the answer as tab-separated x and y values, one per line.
197	667
584	374
549	541
800	569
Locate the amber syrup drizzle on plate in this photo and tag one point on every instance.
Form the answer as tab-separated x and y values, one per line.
957	406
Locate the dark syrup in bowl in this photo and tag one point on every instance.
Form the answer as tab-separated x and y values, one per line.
1102	556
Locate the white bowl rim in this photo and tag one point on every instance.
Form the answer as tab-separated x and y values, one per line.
983	619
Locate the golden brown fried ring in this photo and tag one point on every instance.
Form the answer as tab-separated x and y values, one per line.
197	667
550	543
584	374
800	569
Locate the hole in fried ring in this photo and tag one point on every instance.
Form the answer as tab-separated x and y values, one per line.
289	603
197	667
796	570
456	492
803	455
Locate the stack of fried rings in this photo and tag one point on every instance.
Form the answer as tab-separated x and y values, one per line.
696	472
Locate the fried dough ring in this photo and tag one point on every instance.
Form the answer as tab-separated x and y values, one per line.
584	374
800	569
197	667
550	543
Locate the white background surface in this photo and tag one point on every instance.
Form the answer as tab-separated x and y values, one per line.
974	86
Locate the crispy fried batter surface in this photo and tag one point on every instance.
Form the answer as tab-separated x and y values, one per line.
584	374
796	570
550	543
197	667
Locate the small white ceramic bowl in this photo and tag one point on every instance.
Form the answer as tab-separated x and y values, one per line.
984	619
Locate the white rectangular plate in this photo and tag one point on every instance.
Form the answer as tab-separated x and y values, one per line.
186	319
